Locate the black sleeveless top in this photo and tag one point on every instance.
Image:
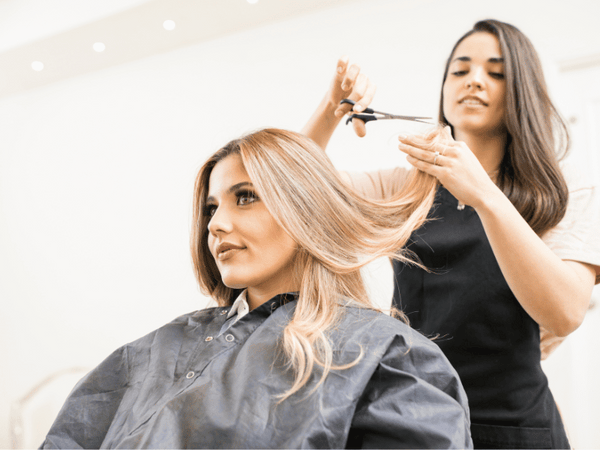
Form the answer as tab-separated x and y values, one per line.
466	304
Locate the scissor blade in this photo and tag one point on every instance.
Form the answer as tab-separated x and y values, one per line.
395	116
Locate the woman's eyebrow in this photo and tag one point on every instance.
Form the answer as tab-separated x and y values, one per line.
235	187
232	189
494	60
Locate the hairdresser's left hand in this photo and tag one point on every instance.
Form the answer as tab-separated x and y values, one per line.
456	167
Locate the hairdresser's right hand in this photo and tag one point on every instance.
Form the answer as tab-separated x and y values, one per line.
350	82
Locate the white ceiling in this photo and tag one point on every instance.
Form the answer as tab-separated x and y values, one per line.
61	33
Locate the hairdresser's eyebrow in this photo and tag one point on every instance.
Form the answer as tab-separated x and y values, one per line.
231	190
494	60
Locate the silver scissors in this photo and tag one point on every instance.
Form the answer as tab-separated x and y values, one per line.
370	114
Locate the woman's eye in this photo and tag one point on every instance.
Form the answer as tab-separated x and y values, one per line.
246	198
209	210
459	73
497	75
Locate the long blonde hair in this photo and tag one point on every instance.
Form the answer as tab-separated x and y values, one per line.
337	232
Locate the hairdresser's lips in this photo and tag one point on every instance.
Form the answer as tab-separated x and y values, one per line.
227	250
472	101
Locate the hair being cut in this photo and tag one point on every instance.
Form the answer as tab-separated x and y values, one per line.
336	230
537	136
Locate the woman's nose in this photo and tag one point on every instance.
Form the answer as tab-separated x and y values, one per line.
220	222
475	79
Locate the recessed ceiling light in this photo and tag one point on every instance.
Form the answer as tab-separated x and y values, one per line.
169	25
252	2
99	47
37	66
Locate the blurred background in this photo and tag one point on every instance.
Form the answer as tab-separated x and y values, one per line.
109	107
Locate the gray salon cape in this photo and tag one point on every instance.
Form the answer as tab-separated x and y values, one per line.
186	385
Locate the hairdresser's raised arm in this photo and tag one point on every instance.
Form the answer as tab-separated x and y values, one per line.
348	82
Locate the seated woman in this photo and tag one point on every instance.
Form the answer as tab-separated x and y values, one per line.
295	355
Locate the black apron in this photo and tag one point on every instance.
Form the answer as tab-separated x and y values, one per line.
467	306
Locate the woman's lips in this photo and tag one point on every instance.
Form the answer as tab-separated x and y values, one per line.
472	101
227	254
226	251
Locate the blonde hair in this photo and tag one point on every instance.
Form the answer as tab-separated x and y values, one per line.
337	232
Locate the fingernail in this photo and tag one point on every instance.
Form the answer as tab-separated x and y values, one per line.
340	69
345	87
358	108
402	136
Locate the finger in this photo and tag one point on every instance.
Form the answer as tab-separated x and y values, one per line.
447	133
367	96
416	140
340	71
424	167
437	134
360	86
428	145
359	127
350	77
420	154
338	81
343	109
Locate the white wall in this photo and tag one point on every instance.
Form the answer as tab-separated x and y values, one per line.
96	172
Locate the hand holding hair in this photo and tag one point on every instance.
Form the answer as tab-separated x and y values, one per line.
452	163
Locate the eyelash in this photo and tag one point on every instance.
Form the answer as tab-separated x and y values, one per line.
246	194
497	75
209	210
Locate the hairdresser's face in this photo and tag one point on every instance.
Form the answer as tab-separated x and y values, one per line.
250	248
474	90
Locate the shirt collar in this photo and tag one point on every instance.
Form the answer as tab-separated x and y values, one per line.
239	307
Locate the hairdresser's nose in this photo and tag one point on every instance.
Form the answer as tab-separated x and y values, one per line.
475	78
221	221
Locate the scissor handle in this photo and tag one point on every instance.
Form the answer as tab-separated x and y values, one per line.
364	117
352	102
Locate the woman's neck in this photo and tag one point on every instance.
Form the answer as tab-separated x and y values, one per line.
489	149
257	295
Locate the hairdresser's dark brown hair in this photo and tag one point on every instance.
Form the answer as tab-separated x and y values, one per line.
537	136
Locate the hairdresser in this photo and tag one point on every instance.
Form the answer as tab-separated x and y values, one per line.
513	247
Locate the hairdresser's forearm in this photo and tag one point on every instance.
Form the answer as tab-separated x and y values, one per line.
322	123
555	293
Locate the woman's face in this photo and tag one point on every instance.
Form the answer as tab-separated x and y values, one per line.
250	248
475	88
